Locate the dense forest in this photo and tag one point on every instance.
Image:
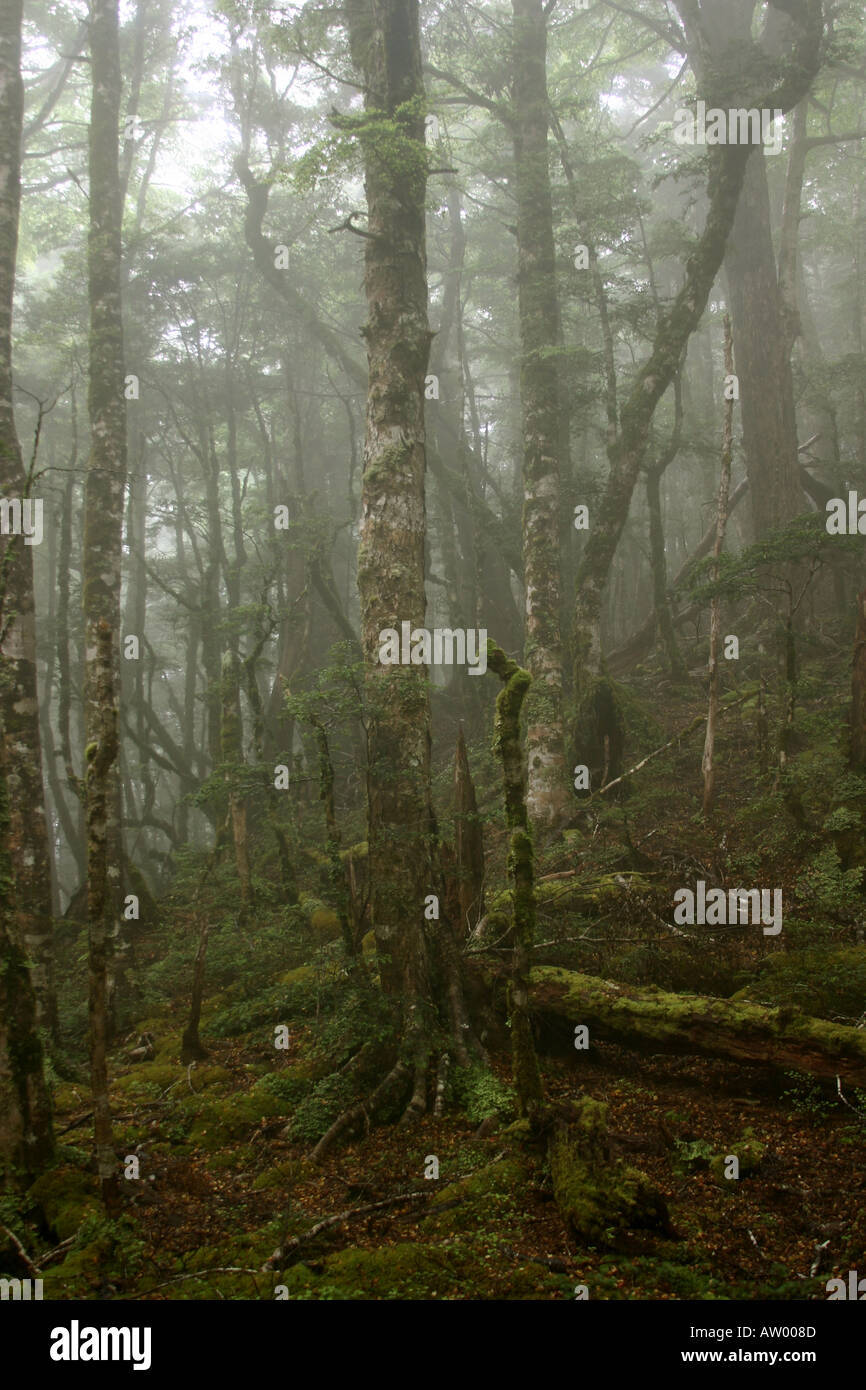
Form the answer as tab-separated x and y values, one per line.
433	632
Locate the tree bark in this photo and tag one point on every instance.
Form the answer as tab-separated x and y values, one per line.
763	359
857	757
521	868
30	900
541	411
26	1137
385	43
106	478
468	843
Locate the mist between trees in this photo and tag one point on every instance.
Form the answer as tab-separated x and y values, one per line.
358	355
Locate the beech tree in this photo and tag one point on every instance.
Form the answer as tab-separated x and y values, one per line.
403	852
104	507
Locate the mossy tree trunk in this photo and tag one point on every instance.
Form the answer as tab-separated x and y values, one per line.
521	868
403	860
857	756
542	415
468	843
103	532
30	900
336	871
26	1138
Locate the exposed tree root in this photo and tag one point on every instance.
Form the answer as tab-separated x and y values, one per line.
397	1077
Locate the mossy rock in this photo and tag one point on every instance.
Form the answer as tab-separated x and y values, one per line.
492	1197
66	1197
321	918
750	1154
81	1273
207	1078
69	1097
146	1077
222	1121
599	1198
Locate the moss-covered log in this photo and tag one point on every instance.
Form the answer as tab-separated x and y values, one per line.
651	1020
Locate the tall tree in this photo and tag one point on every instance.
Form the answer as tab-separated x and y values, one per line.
541	412
19	695
103	532
26	1140
385	45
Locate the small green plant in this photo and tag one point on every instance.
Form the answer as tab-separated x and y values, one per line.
481	1094
807	1097
692	1156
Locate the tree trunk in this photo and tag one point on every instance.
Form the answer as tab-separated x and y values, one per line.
707	762
106	478
232	753
386	48
690	1023
857	758
191	1047
763	360
658	559
26	1138
468	843
521	868
541	413
27	844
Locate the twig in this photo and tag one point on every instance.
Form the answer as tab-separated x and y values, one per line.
58	1249
196	1274
277	1260
843	1098
701	719
33	1270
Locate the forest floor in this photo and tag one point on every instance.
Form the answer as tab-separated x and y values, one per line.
219	1188
221	1175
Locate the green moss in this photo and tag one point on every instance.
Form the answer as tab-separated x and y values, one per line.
598	1197
146	1077
81	1273
824	982
282	1177
750	1153
298	975
415	1271
67	1197
221	1121
490	1199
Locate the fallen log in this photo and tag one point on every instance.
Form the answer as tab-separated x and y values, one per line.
653	1021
